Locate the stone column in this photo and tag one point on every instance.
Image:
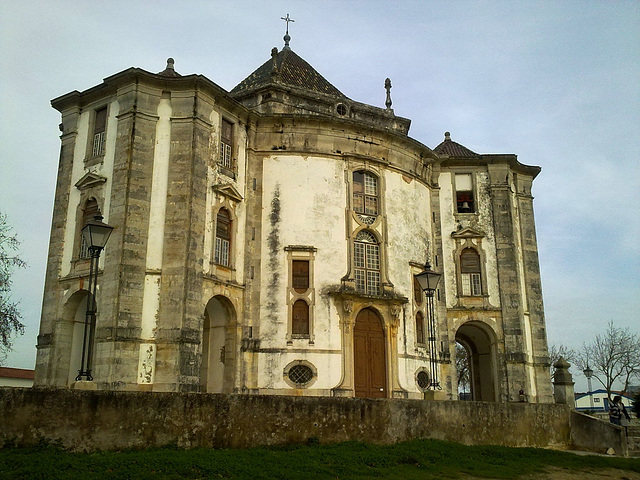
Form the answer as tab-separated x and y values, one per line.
563	384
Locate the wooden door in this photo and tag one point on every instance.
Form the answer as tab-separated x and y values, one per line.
370	377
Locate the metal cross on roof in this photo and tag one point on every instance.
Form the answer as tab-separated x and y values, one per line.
287	19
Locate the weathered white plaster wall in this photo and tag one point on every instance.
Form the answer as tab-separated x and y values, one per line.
157	209
309	210
409	227
485	221
409	236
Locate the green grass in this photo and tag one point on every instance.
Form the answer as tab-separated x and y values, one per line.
418	459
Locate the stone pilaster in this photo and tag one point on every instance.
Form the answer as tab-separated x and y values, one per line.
509	281
179	327
48	371
118	323
533	287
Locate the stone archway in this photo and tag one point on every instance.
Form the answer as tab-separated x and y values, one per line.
218	346
479	342
369	354
70	333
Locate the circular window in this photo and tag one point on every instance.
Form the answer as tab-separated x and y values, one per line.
300	374
341	109
423	379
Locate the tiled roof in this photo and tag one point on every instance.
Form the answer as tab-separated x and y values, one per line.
291	70
8	372
453	149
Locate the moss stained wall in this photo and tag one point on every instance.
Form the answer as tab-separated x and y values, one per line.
104	420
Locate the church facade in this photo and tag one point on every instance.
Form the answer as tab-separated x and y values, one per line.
266	241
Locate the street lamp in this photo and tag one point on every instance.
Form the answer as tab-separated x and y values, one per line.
428	281
95	234
589	373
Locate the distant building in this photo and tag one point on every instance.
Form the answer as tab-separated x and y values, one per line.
16	377
600	400
267	238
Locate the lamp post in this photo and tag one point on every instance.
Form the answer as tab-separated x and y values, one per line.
589	373
95	234
428	281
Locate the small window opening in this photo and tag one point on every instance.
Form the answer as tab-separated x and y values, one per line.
420	328
301	375
300	275
465	201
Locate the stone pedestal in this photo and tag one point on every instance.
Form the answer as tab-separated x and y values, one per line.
84	385
563	384
435	395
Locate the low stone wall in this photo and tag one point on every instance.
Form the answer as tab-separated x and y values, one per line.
593	434
103	420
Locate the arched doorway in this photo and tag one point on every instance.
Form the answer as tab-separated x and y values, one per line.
370	373
479	342
72	328
218	346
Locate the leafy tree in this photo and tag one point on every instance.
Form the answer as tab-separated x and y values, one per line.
613	357
9	314
557	351
462	368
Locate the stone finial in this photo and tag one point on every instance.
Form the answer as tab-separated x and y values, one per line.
170	70
274	66
562	364
447	136
387	86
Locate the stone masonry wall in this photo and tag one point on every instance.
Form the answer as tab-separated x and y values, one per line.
103	420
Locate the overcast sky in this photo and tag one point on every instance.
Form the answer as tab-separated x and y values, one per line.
557	83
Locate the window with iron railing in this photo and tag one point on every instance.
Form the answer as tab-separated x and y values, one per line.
226	142
223	238
365	193
470	273
99	130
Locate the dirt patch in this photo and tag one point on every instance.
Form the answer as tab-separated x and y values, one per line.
557	473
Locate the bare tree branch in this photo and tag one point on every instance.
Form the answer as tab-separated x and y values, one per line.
9	314
613	356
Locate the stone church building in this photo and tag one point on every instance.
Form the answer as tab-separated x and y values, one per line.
266	241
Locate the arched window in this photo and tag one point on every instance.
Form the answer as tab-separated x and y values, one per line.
420	328
223	238
470	273
90	210
365	193
366	260
300	323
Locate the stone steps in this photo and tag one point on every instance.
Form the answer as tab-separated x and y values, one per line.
633	439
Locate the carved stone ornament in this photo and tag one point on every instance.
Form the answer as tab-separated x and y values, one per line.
89	180
347	306
395	311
